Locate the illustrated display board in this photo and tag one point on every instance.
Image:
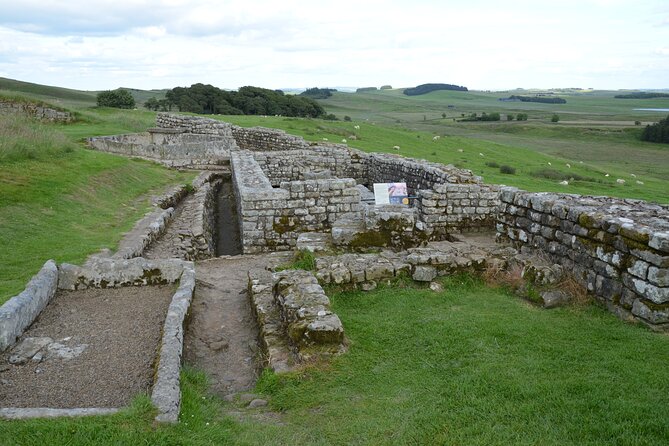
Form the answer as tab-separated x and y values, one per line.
391	193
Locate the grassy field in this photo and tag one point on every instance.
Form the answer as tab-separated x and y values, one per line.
59	200
533	171
470	365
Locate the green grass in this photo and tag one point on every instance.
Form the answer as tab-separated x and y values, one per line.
61	201
470	365
477	154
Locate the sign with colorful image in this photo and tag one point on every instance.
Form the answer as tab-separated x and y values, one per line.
391	193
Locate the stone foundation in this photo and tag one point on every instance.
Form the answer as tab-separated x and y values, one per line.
34	110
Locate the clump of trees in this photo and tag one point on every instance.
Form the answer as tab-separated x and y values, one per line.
658	132
642	95
521	117
428	88
484	117
364	89
118	98
541	99
386	87
555	118
318	93
207	99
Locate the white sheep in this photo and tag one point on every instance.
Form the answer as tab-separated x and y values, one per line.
344	141
632	175
564	183
357	127
481	154
325	139
620	181
606	175
550	164
639	182
568	165
396	147
436	138
460	150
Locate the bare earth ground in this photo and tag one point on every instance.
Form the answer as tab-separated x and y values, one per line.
222	334
121	329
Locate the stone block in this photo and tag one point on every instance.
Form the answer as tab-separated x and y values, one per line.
424	273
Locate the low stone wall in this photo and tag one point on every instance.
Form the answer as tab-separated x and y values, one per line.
20	311
417	174
202	236
456	208
36	111
618	248
264	140
295	319
292	165
166	393
172	149
271	219
146	231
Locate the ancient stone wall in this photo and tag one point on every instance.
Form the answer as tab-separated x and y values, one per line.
300	164
271	219
449	208
36	111
618	248
417	174
264	140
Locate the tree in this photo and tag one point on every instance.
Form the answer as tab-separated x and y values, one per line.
555	118
658	132
509	117
152	104
521	116
119	98
443	115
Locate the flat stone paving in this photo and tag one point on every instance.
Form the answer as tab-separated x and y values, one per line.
111	337
169	245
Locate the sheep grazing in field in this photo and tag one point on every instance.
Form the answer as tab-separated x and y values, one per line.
481	154
632	175
325	139
436	138
606	175
396	147
620	181
357	127
344	141
564	183
460	150
639	182
550	164
568	165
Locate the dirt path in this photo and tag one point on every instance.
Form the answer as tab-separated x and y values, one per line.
222	334
99	350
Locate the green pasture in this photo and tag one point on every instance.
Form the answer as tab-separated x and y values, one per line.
467	366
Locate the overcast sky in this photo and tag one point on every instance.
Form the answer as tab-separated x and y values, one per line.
104	44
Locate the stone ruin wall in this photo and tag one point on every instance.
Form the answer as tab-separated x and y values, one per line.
272	218
618	248
33	110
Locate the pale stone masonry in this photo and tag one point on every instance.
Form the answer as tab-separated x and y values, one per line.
618	248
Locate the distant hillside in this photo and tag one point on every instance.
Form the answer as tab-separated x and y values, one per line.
428	88
45	90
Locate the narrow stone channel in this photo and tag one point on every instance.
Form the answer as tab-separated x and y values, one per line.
228	240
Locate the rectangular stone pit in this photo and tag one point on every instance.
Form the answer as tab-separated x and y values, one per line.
73	314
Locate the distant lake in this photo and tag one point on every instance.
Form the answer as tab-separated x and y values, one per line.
652	109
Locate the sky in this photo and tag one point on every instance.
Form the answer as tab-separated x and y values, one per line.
481	44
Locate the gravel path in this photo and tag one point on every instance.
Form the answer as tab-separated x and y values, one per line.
120	329
222	334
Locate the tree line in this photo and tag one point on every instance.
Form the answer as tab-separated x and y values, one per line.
427	88
318	93
641	95
207	99
543	100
